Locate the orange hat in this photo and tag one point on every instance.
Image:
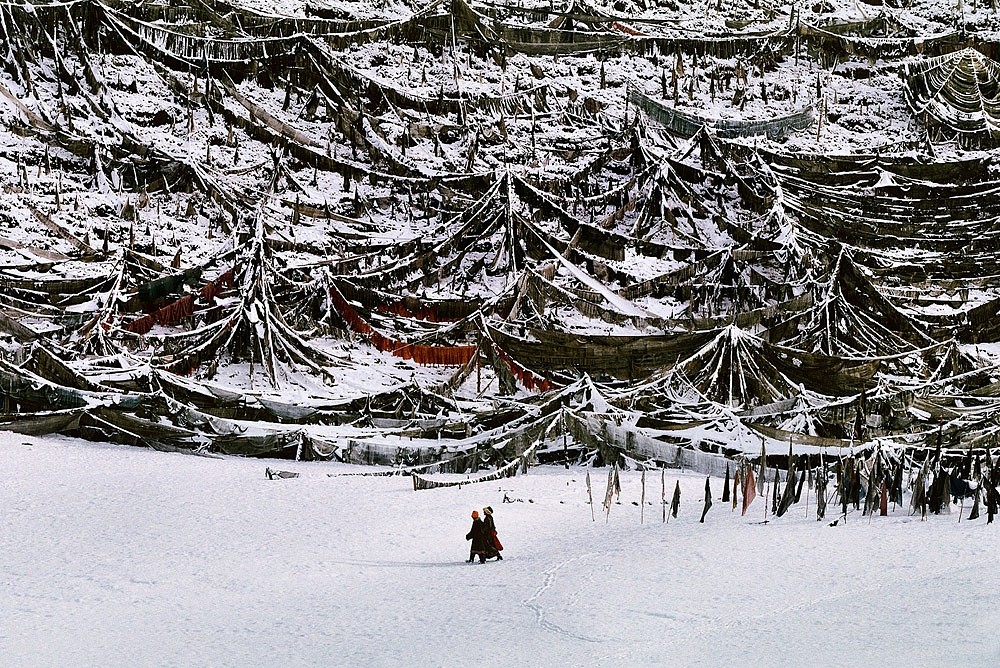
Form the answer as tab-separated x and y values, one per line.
475	514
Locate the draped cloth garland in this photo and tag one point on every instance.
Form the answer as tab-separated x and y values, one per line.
177	310
508	470
421	354
960	91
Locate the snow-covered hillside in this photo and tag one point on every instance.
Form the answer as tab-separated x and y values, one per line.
404	233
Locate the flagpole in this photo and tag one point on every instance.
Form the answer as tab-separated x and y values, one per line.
663	492
642	499
590	495
767	493
666	516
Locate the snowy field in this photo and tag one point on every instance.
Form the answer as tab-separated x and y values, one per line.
114	556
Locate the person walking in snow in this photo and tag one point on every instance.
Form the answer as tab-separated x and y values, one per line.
493	544
478	537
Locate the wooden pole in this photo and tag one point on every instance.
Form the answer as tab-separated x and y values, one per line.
590	497
663	492
642	499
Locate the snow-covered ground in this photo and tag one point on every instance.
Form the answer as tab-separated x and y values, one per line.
112	556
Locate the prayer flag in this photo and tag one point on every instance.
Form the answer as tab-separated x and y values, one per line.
708	498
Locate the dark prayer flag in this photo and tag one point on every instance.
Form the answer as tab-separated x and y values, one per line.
821	495
991	499
774	495
675	503
708	499
788	496
974	515
798	488
725	486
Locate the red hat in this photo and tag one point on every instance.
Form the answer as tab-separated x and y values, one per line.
475	514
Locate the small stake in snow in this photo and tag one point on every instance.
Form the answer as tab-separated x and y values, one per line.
663	492
590	499
642	498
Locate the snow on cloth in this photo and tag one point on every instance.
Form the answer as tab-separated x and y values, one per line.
687	125
959	90
621	304
506	471
421	354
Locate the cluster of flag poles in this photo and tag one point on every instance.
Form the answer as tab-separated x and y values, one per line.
615	489
876	477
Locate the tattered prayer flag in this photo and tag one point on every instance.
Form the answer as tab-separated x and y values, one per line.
991	500
708	499
974	515
821	482
736	486
675	503
609	495
883	508
800	484
788	496
774	495
749	490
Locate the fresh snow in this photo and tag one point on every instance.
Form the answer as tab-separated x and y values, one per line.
125	557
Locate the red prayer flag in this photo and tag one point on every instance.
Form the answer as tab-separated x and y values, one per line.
749	490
